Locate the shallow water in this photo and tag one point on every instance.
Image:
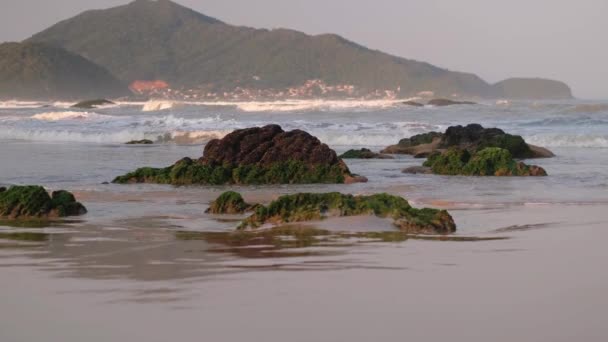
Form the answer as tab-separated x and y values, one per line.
147	263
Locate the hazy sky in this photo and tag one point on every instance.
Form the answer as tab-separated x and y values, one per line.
560	39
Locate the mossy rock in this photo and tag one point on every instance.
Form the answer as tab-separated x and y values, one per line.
189	172
420	139
310	206
475	137
472	137
363	153
491	161
27	202
229	202
90	104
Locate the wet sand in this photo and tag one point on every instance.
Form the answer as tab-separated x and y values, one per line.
137	279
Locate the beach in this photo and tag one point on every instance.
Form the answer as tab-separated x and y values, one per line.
146	262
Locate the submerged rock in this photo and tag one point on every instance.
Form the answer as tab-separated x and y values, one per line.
27	202
414	170
473	137
229	202
413	104
260	155
90	104
491	161
446	102
140	142
309	207
364	153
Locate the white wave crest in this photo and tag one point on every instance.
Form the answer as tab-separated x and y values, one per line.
565	140
194	137
59	116
379	135
589	108
20	104
286	105
158	105
71	136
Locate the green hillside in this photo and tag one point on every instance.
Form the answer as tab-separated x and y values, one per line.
163	40
37	71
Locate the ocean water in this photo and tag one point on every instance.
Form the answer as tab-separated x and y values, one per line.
531	254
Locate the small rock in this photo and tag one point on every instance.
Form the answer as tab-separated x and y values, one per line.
413	104
364	153
140	142
90	104
414	170
446	102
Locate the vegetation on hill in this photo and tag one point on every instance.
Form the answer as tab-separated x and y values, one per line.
38	71
532	88
163	40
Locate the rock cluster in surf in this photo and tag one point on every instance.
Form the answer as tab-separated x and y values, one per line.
312	206
259	155
473	138
34	202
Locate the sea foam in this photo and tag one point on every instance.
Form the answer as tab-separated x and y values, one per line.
158	105
569	140
59	116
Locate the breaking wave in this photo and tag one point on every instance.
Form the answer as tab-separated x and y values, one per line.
569	140
20	104
568	121
58	116
325	105
589	108
158	105
279	106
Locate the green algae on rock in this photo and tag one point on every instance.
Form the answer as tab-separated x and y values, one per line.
259	155
27	202
229	202
310	206
363	153
491	161
473	137
189	172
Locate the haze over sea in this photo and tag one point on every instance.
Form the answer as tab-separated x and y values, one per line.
526	263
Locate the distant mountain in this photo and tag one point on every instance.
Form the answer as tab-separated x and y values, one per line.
161	40
37	71
532	88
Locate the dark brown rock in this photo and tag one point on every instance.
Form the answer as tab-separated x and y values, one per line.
446	102
413	104
418	170
473	137
364	153
264	146
260	155
140	142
